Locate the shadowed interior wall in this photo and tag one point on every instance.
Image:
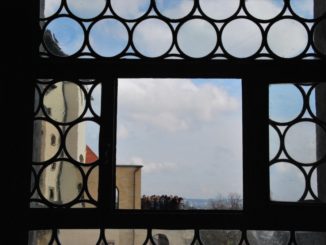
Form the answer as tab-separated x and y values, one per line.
320	39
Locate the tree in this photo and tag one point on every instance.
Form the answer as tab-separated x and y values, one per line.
232	202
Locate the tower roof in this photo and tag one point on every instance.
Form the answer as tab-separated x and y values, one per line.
90	155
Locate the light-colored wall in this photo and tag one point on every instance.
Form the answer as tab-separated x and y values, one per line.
128	181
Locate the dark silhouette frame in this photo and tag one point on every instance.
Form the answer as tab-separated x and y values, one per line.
259	212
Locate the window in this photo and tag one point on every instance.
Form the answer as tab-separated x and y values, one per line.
81	158
267	50
53	140
117	198
53	166
172	126
51	193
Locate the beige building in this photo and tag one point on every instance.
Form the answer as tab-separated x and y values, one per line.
128	183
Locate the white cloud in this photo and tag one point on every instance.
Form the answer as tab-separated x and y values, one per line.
86	8
219	9
300	142
130	9
304	8
50	7
174	8
287	182
164	120
197	38
172	104
241	38
264	9
287	38
153	167
122	132
187	135
152	37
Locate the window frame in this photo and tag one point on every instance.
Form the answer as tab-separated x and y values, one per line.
280	215
259	212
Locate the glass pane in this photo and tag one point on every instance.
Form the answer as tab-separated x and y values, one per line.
108	37
287	38
166	237
59	182
174	9
297	142
197	38
212	237
286	102
63	36
179	144
78	237
125	236
64	101
49	7
219	9
268	237
308	238
130	9
242	38
65	144
39	237
306	9
152	37
47	140
264	9
86	9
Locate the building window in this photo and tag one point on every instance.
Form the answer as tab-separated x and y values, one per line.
53	140
53	166
81	158
51	193
116	198
48	111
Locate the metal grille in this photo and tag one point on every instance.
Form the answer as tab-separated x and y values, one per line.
299	135
198	29
202	237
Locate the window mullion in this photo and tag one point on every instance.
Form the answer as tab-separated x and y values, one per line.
107	145
255	143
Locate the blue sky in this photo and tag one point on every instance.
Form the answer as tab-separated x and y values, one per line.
173	126
171	134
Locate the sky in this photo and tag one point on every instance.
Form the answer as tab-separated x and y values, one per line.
173	127
186	134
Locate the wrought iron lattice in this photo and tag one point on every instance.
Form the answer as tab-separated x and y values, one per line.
201	29
188	237
65	168
298	128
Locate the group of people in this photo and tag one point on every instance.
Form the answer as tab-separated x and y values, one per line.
156	202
